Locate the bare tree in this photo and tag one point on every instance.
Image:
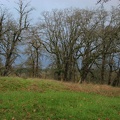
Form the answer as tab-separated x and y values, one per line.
34	51
61	30
104	1
107	36
14	34
69	37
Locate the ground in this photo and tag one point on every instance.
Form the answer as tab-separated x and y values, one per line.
38	99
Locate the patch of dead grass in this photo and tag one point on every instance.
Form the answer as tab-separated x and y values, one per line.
88	88
93	88
34	87
42	85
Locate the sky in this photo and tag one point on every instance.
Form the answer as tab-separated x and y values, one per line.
48	5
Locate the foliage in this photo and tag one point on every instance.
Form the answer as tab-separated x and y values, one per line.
82	44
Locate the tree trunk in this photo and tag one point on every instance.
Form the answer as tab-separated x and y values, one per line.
84	73
110	74
117	79
37	62
33	69
7	65
66	72
103	69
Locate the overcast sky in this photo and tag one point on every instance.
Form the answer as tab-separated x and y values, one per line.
47	5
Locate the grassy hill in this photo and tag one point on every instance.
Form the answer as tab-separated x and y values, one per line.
35	99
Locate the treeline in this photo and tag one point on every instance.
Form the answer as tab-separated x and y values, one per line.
84	45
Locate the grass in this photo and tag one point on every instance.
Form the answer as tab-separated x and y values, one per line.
34	99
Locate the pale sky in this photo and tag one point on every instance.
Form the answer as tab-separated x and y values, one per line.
47	5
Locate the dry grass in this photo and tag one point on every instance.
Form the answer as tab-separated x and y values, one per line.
93	88
42	85
105	90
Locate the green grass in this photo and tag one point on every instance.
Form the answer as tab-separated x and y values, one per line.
27	99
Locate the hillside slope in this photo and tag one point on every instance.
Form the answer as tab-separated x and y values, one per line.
35	99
